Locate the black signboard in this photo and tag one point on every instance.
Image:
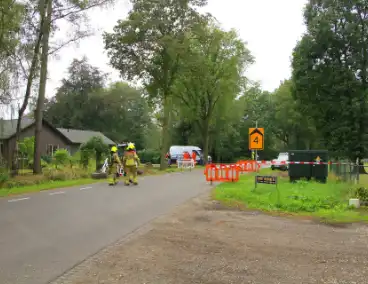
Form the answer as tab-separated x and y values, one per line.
265	180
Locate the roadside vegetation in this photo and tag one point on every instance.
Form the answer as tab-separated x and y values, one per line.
327	202
62	169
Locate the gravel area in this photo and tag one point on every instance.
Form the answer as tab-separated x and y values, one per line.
200	242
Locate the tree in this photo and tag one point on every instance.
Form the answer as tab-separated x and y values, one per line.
293	127
68	107
212	73
12	13
82	102
330	67
149	45
71	11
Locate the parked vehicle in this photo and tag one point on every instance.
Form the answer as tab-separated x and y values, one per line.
281	162
176	153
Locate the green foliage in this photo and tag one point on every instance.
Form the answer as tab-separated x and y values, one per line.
12	13
211	75
149	45
330	77
362	193
149	156
4	177
61	157
119	109
94	145
26	149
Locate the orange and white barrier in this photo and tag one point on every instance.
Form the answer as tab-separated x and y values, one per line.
248	166
222	172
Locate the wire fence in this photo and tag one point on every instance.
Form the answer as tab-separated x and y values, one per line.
349	172
23	165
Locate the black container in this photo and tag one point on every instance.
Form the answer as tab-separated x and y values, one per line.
317	172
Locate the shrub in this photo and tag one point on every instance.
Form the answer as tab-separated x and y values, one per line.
46	158
94	145
362	193
4	177
65	174
61	157
149	156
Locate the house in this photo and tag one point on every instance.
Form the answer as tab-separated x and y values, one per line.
52	138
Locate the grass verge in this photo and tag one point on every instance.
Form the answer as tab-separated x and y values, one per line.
53	184
44	186
327	202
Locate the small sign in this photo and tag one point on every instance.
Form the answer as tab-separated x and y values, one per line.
318	159
256	138
266	179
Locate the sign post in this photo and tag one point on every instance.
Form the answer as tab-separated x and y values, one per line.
256	140
267	180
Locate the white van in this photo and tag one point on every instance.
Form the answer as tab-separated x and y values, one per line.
176	153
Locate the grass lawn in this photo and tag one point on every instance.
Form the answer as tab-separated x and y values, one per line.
327	202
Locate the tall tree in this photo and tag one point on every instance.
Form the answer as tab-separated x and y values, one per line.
11	17
73	12
149	45
293	127
212	73
68	107
330	66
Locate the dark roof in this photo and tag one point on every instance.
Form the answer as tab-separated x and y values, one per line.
9	127
82	136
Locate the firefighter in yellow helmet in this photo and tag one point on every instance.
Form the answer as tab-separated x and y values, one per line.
114	166
131	162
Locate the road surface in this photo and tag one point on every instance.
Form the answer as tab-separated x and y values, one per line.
42	235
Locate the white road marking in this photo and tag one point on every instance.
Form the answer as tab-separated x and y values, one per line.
83	188
19	199
58	192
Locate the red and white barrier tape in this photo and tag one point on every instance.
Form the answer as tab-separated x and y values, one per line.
302	163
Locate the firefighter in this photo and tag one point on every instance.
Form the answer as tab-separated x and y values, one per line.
131	162
114	165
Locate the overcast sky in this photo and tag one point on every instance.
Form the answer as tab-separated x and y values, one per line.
271	29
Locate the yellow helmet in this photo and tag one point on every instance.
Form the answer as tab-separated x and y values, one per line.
114	149
130	146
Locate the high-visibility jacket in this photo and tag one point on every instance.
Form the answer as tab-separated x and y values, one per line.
131	159
114	159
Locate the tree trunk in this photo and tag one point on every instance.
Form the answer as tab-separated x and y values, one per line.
42	89
205	137
31	75
165	131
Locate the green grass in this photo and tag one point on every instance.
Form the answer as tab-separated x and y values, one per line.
48	185
328	201
45	186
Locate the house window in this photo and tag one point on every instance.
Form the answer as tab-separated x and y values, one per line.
51	149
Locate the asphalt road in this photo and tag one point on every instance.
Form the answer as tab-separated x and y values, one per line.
42	235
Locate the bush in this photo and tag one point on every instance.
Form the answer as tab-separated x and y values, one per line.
4	177
46	158
65	174
61	157
362	194
149	156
